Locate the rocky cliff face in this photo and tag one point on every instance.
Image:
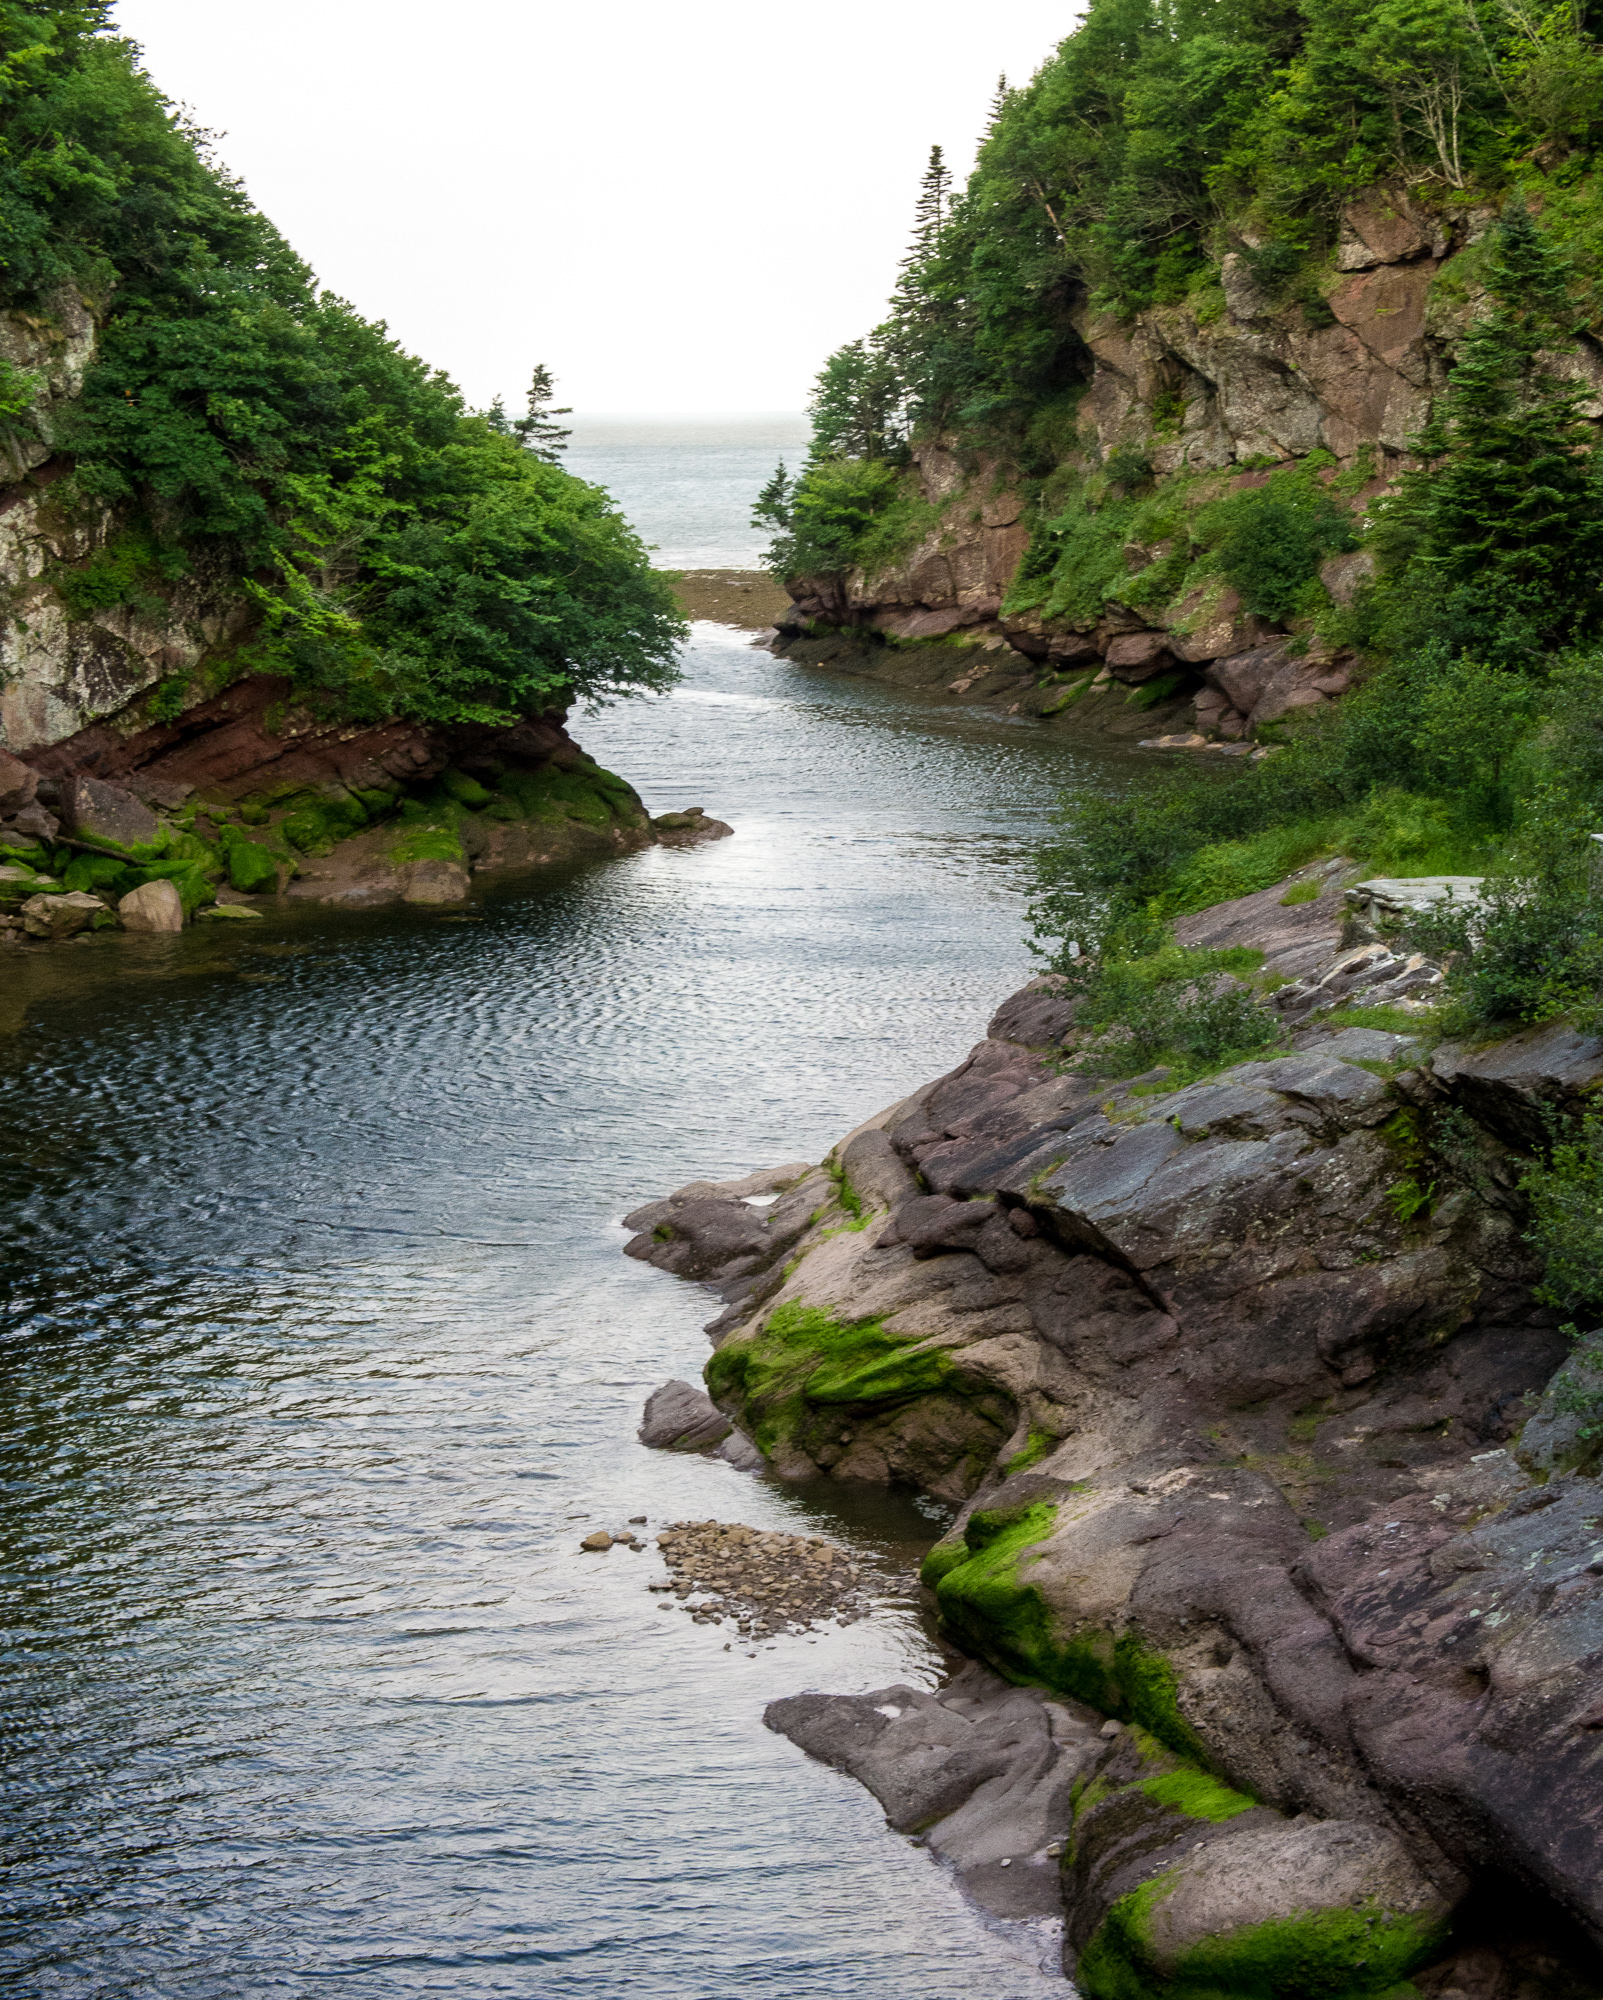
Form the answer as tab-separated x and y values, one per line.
1246	1407
1232	382
130	684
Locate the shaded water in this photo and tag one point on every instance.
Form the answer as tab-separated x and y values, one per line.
319	1357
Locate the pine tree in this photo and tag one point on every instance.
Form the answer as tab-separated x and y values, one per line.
999	98
538	431
1507	505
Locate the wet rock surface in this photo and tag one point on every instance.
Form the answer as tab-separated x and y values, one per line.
760	1583
982	1772
1250	1456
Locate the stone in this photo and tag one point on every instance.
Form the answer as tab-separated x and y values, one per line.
1381	226
1562	1434
1134	657
983	1771
228	913
433	882
96	811
153	906
61	916
597	1541
37	822
18	784
680	1418
252	868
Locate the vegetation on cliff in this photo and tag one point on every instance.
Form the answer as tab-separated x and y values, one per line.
406	555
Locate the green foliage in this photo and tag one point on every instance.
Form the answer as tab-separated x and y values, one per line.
841	514
1494	542
1269	541
1187	1009
403	554
1565	1193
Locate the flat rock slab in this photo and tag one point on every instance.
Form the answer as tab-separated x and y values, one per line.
981	1770
95	811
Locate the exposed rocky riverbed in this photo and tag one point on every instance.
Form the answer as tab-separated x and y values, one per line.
1276	1535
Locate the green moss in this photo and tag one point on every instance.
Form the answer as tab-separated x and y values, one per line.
465	790
1035	1448
591	796
944	1557
845	1193
1149	1693
1197	1795
1300	892
803	1357
252	868
317	826
1164	688
1345	1954
423	840
98	873
1390	1020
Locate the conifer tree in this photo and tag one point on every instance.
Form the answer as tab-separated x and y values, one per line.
539	431
1505	514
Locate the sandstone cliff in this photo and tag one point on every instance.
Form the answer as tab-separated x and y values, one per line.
1208	397
1263	1479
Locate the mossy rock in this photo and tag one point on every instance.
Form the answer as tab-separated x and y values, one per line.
465	790
195	882
318	825
426	840
252	868
993	1609
1180	1934
804	1372
99	874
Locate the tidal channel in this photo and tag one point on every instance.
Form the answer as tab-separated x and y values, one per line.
319	1359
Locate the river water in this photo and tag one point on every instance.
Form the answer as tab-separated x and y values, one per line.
320	1357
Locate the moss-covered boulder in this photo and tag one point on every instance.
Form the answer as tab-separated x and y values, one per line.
1180	1888
802	1381
252	868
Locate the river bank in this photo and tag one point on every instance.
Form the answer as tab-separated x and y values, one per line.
1269	1479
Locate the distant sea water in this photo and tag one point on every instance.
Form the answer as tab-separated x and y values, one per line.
687	483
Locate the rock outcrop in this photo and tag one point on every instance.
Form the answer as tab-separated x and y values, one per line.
132	729
1263	1447
1230	382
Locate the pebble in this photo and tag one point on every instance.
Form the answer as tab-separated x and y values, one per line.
599	1540
765	1582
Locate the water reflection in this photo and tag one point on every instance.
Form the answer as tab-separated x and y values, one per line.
319	1356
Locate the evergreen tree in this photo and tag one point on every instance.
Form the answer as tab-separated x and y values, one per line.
1502	522
539	431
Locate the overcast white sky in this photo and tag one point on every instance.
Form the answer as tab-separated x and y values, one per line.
677	208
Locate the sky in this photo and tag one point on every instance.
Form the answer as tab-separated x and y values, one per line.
677	208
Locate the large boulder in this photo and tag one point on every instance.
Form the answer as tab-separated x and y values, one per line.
982	1772
153	906
680	1418
106	813
18	784
47	916
435	882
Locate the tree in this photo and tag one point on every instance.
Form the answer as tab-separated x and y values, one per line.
1503	520
538	431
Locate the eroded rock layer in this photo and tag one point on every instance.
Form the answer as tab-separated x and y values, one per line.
1242	1394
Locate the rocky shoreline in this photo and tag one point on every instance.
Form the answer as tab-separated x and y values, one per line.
1277	1544
190	829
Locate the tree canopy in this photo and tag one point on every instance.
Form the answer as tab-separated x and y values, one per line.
405	553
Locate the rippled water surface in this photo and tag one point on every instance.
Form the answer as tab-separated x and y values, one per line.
320	1357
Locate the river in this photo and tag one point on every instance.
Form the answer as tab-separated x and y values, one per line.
320	1357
